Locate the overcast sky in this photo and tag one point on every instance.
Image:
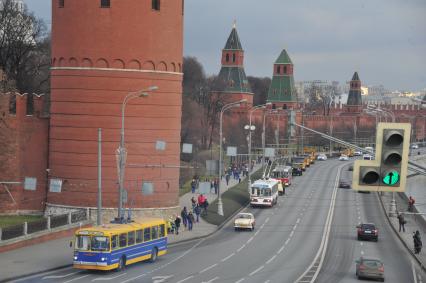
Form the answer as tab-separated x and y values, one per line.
384	40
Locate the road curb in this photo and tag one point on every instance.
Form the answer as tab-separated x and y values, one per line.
34	273
399	236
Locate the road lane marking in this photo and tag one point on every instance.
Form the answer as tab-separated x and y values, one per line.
257	232
228	257
78	278
108	278
271	259
59	276
242	247
414	272
267	220
208	268
362	252
257	270
214	279
298	220
286	241
241	280
280	250
249	240
187	278
291	233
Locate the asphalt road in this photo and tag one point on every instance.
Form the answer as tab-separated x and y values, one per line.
290	240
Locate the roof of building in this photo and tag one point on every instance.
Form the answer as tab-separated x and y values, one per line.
233	42
235	79
355	77
282	89
354	97
283	58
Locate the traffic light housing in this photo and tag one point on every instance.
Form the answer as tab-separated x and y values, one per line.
388	171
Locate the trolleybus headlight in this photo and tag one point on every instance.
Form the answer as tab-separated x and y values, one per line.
75	257
102	258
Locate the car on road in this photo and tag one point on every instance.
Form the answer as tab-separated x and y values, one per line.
367	157
370	268
244	220
322	157
297	171
367	231
343	157
357	153
344	184
414	146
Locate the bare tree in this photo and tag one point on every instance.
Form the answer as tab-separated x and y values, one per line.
23	47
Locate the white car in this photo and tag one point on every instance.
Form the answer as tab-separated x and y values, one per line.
322	157
343	157
367	157
414	146
357	153
244	220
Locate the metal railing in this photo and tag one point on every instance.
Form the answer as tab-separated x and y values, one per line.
45	224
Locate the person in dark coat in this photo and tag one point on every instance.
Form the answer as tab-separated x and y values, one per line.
197	211
177	224
184	215
417	242
401	221
190	220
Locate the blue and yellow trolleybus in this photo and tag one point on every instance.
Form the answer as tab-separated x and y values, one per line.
113	246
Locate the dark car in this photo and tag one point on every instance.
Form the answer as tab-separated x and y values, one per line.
367	231
344	184
297	171
371	268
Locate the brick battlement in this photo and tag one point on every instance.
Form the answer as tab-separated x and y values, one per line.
23	153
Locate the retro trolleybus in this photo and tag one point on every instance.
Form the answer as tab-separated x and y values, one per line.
113	246
283	173
264	192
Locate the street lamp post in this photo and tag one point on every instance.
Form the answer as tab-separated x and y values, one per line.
224	108
121	151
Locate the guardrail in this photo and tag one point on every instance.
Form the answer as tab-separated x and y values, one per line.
45	224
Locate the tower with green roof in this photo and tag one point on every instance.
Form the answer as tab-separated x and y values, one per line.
354	104
232	72
282	93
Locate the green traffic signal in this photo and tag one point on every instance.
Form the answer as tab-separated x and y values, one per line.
391	178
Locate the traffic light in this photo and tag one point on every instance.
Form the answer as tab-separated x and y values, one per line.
388	171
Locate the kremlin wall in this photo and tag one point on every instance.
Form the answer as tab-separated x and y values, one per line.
100	55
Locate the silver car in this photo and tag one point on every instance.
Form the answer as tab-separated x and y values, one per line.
371	268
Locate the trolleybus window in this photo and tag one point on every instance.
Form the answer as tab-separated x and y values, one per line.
114	242
139	236
100	243
154	232
147	234
123	240
83	243
130	238
162	231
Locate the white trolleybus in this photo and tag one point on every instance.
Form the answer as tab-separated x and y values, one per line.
264	192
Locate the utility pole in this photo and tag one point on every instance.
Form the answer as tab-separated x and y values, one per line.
99	215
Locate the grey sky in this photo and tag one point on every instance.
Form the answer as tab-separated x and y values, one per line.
384	40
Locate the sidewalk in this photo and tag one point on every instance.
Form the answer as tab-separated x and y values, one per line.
31	259
414	222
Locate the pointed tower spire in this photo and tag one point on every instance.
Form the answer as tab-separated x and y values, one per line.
282	92
232	71
354	103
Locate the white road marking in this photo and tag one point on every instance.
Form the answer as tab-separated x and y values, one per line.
161	279
271	259
208	268
242	247
59	276
214	279
362	252
291	233
280	250
249	240
267	281
298	220
257	232
257	270
267	220
111	278
187	278
362	244
241	280
414	272
228	257
78	278
286	241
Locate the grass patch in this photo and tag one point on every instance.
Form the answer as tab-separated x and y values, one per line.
11	220
233	199
186	188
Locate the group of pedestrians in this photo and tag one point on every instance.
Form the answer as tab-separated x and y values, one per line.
187	218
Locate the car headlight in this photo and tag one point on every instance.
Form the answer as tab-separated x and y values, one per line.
75	257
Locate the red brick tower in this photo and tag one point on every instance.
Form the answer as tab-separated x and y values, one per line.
354	104
101	51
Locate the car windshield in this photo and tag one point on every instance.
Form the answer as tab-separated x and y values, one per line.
100	243
244	216
372	263
368	227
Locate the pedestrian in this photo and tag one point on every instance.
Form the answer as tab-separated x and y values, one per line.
197	212
193	184
205	205
401	221
227	179
212	185
184	215
411	202
417	242
216	186
177	224
193	203
190	220
200	199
